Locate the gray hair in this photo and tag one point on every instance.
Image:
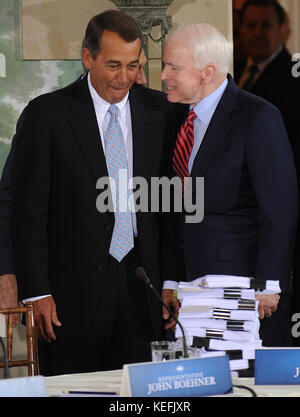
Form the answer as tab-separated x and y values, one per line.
209	46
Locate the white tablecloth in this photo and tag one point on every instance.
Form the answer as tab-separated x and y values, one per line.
110	381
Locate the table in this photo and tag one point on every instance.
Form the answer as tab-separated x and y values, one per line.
110	381
105	381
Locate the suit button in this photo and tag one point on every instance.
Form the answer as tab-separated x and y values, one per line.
108	227
100	267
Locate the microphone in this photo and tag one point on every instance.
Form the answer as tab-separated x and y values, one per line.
6	367
141	273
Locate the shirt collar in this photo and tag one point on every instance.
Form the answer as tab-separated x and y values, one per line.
206	107
101	105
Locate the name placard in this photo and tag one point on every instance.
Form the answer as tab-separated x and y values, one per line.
32	386
181	378
277	366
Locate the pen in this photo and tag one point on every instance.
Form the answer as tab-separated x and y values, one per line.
90	392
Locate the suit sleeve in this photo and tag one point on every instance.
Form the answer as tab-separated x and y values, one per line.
6	253
173	263
30	196
7	265
273	176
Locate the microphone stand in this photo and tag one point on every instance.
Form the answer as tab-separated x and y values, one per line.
141	273
6	367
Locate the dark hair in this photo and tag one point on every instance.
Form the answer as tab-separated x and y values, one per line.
279	10
115	21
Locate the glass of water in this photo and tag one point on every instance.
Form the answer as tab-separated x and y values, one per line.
163	350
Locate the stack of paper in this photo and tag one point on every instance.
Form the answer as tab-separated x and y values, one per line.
220	314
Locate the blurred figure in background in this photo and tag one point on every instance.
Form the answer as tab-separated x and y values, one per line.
267	72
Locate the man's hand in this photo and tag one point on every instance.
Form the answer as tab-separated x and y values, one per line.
45	317
267	304
9	295
173	303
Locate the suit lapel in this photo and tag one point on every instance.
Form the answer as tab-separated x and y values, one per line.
86	131
217	130
281	61
146	123
147	128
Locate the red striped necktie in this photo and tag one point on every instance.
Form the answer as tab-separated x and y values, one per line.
183	147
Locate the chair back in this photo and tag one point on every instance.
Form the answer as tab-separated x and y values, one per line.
32	357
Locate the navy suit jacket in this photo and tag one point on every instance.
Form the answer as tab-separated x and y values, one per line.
250	197
278	85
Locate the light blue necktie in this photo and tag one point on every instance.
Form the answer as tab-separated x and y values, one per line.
116	159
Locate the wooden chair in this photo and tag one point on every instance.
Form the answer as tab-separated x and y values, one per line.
32	358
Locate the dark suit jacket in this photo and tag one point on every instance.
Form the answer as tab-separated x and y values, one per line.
61	241
250	196
277	85
6	256
7	264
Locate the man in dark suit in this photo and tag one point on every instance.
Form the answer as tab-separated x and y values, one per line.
91	312
263	31
238	143
8	282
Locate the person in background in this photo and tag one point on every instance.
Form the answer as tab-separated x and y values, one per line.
267	72
141	77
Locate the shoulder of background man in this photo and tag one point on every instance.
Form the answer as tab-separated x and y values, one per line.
278	84
281	64
250	105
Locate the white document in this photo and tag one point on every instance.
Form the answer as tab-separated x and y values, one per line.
237	364
212	354
235	336
185	292
227	281
248	353
195	301
193	312
217	344
248	326
220	281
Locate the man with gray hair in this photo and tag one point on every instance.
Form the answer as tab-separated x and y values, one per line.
238	143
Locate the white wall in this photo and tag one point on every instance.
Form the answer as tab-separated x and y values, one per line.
292	8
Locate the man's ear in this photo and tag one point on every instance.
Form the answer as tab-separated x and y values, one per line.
86	58
208	73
